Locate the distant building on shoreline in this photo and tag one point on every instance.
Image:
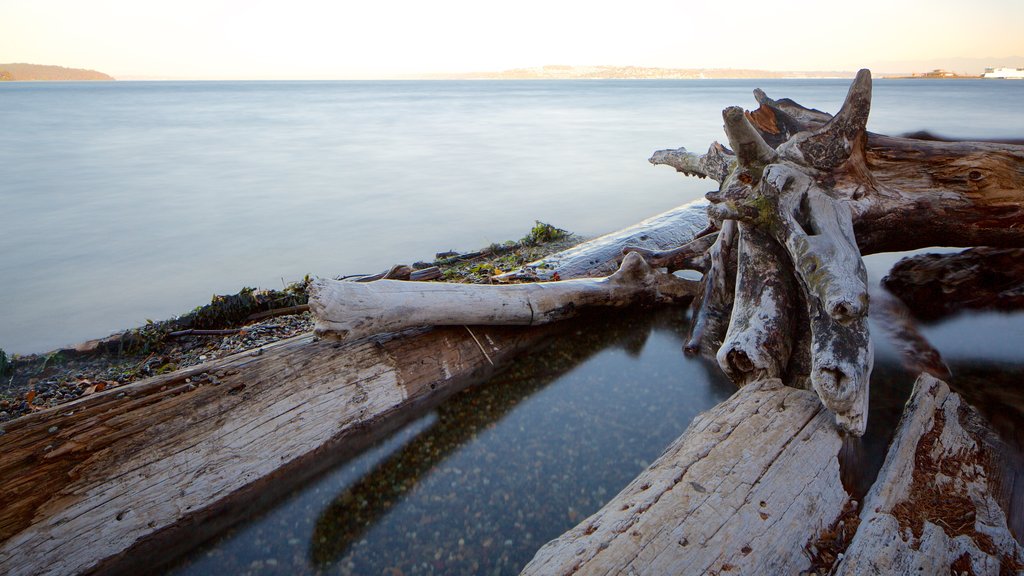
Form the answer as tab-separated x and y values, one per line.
1004	73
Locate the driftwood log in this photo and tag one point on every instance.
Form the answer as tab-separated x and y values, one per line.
753	487
933	509
936	285
352	310
116	481
741	492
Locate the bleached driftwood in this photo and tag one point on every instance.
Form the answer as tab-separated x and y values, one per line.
349	310
741	492
932	509
117	480
827	191
600	256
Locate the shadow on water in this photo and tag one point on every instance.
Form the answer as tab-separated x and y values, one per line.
458	421
482	482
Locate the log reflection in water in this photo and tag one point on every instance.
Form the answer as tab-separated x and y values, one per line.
358	508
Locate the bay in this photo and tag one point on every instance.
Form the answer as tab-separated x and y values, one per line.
127	201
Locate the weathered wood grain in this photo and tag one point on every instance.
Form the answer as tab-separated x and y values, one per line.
350	310
85	481
742	491
932	510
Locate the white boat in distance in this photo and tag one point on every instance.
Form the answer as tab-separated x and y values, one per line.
1004	73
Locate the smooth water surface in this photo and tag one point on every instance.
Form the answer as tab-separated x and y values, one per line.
132	200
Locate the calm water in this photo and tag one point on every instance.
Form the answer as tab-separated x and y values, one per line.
126	201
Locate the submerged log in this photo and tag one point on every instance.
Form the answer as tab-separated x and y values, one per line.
932	509
740	492
120	479
936	285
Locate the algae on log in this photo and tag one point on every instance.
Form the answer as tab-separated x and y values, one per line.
932	509
119	479
739	492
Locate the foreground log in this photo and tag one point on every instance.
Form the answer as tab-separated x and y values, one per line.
932	509
740	492
185	455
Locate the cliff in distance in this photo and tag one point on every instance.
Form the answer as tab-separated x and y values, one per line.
54	73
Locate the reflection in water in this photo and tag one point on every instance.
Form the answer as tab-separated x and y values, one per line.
501	468
459	420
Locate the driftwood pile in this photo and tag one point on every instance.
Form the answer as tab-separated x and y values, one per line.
753	486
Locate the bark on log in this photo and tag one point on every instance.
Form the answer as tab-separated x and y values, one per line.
117	479
759	339
936	285
932	509
742	491
349	310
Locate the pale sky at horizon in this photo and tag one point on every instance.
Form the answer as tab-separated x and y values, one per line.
313	39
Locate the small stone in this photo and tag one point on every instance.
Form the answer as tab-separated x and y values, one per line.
53	429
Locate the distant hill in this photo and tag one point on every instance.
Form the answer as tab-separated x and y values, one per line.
41	72
636	72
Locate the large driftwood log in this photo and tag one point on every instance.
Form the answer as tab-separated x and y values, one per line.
116	480
825	190
349	310
740	492
932	509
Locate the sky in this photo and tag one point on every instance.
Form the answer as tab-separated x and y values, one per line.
321	39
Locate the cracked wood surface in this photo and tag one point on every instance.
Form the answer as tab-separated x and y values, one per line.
740	492
932	507
88	480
